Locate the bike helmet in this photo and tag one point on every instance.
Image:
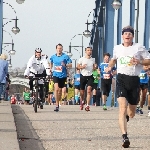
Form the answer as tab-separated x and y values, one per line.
38	50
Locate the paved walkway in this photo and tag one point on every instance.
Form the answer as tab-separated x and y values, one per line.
8	135
72	129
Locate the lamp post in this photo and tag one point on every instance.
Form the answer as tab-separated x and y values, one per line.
9	60
20	1
137	21
116	4
70	46
15	29
12	51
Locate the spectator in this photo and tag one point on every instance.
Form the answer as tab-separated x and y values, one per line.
8	81
3	74
26	97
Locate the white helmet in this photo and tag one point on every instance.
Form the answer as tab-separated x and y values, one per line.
38	50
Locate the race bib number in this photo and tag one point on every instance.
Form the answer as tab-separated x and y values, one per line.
106	76
58	68
142	75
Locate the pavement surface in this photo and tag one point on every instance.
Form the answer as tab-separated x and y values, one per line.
73	129
8	135
68	129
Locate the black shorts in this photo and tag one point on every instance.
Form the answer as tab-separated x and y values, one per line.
106	86
50	92
77	87
60	81
128	87
143	86
27	101
86	80
95	86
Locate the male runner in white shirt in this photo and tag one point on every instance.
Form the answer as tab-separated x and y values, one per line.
86	65
130	58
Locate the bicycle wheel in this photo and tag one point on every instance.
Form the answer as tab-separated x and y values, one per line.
36	97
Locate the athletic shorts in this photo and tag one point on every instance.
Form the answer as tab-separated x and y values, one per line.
27	101
106	86
86	80
95	86
60	81
77	87
143	86
50	92
128	87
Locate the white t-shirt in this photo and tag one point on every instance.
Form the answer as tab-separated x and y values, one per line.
89	68
124	55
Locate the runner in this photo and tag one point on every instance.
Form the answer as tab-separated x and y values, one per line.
130	58
106	78
61	62
143	89
86	65
76	83
96	76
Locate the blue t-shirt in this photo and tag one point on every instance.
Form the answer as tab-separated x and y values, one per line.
143	77
60	71
105	75
77	79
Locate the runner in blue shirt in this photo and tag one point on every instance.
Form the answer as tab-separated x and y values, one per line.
60	61
77	85
106	79
144	78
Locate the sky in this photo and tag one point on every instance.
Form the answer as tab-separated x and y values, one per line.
45	23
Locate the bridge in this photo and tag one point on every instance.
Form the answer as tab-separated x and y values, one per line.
21	81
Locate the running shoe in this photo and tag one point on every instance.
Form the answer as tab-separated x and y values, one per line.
104	107
140	111
126	142
41	106
81	107
149	114
56	109
87	108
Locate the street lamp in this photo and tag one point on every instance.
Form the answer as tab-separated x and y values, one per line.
15	29
9	60
116	4
20	1
70	46
87	33
12	51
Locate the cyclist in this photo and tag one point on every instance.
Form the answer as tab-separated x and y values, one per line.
61	62
36	66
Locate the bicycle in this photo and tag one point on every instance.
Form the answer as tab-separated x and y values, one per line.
36	102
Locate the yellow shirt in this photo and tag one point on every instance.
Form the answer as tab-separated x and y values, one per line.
51	86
